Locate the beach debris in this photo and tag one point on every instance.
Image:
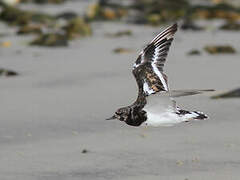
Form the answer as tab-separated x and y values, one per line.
122	50
84	151
7	72
231	94
77	27
190	25
220	49
29	29
51	30
154	19
120	33
108	14
6	44
156	12
10	2
217	11
15	16
44	1
232	26
51	40
194	52
92	11
105	11
179	163
67	15
195	160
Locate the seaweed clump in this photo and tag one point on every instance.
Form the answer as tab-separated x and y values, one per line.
105	11
76	28
7	72
218	11
220	49
50	31
194	52
231	94
29	29
15	16
190	25
120	33
44	1
50	40
232	26
122	50
156	12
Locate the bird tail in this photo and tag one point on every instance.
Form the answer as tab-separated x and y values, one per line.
180	93
191	115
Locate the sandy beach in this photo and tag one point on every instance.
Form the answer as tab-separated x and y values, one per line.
56	108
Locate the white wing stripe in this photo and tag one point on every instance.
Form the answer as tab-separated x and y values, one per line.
146	89
156	54
159	74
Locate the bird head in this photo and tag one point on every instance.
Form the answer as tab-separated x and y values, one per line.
121	114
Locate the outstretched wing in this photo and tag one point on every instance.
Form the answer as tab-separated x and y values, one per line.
148	68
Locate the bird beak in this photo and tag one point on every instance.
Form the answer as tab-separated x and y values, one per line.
111	118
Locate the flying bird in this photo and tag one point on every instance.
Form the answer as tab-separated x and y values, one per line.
155	104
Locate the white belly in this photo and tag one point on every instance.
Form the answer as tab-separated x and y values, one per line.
161	111
162	119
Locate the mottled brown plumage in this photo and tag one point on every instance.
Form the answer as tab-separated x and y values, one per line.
152	82
154	54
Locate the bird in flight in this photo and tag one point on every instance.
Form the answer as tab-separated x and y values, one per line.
155	105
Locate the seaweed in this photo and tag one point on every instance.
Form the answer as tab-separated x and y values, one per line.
7	72
190	25
220	49
230	94
122	50
232	26
120	33
51	40
15	16
194	52
102	11
30	22
44	1
29	29
77	28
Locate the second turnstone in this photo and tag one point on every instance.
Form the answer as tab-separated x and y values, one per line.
155	105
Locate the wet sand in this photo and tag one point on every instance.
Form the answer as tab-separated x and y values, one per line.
56	108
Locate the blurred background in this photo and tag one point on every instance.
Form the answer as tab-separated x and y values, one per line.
65	66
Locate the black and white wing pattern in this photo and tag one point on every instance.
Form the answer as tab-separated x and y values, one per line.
148	68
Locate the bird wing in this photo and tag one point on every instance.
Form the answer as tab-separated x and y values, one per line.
160	102
188	92
148	68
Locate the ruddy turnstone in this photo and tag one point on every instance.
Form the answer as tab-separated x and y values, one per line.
155	105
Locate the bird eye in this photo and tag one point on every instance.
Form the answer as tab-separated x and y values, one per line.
121	119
